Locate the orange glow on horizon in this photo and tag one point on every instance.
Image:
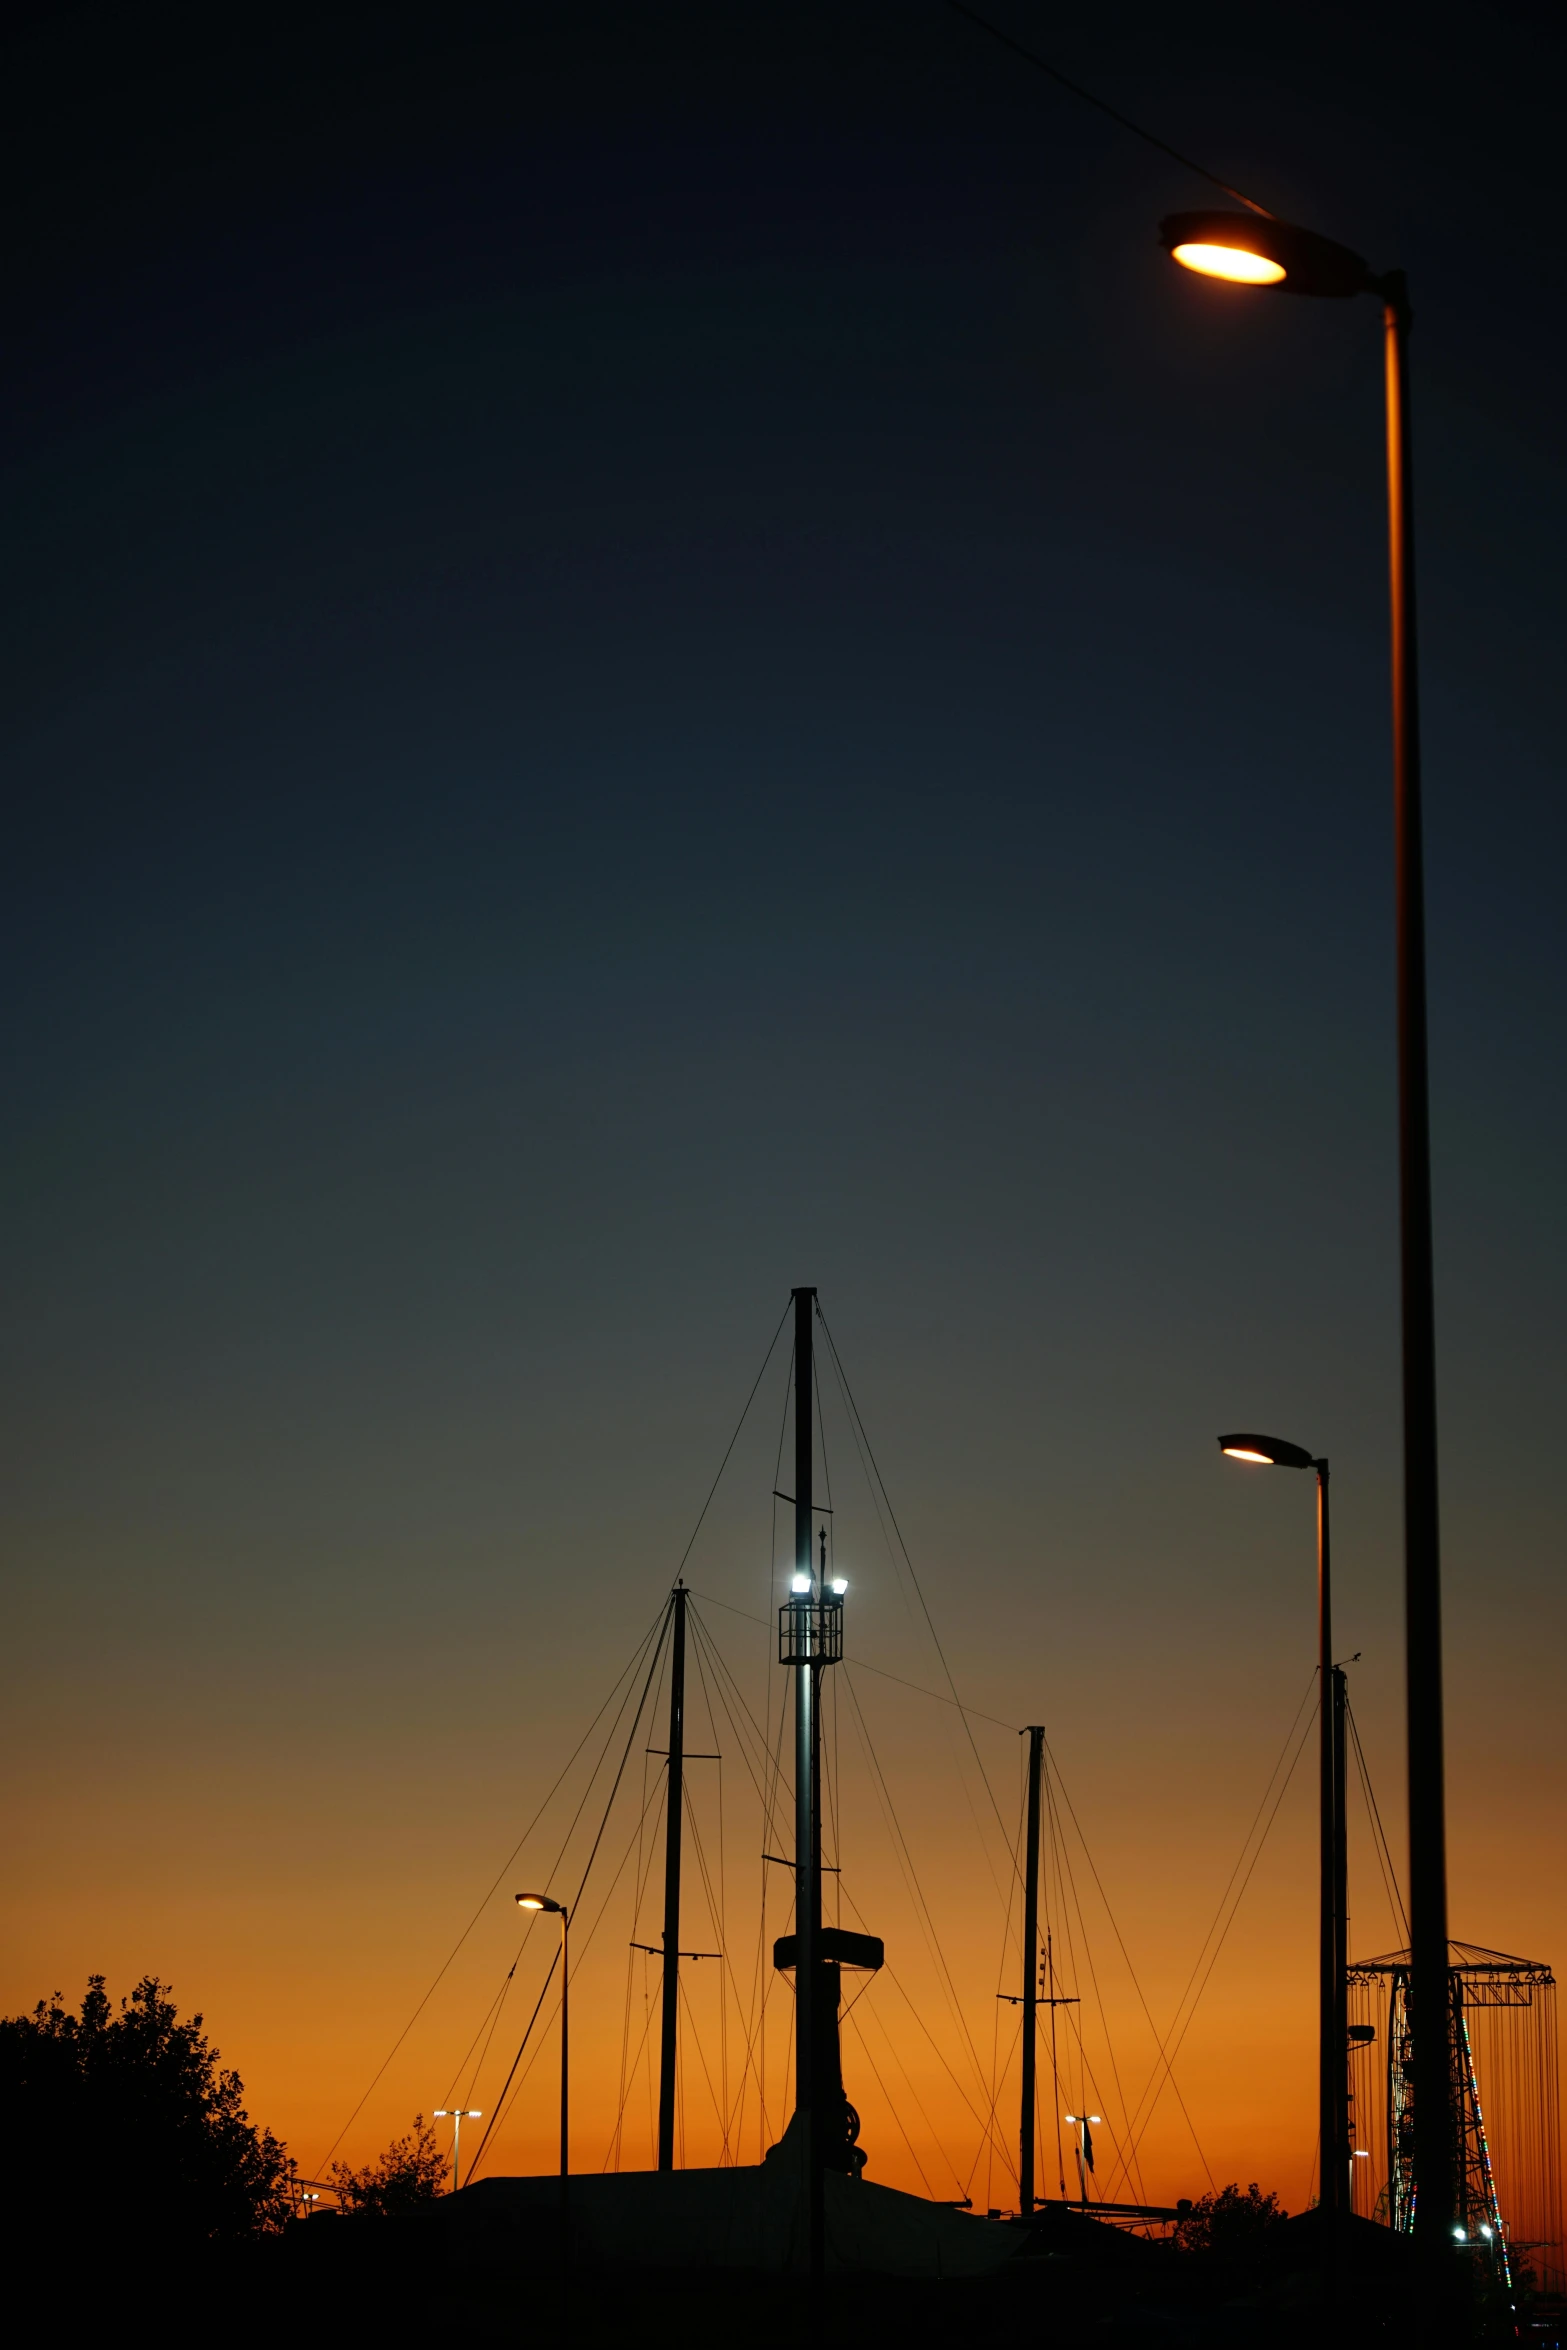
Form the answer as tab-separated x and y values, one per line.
1230	261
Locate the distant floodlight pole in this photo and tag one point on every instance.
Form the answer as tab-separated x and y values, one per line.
1332	2013
1085	2149
1256	251
457	2115
542	1901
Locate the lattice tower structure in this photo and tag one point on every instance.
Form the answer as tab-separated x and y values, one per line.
1501	2037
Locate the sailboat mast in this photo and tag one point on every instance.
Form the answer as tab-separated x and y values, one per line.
807	1817
1025	2176
672	1826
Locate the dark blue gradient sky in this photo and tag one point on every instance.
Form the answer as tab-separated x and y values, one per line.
651	654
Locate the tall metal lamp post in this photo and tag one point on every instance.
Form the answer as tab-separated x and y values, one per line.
1332	1995
457	2115
1252	250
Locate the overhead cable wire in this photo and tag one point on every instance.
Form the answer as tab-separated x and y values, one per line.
1102	106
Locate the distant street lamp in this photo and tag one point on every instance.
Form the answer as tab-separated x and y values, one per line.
1085	2149
1332	1995
457	2115
557	1909
1250	249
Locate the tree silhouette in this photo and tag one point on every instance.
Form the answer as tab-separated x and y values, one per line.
407	2177
1232	2225
134	2110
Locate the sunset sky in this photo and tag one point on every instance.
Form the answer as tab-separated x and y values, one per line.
653	653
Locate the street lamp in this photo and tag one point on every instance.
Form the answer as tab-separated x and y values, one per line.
1332	1992
1085	2148
558	1909
1251	250
457	2115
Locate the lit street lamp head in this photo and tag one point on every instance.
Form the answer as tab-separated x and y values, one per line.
1247	250
1271	1451
540	1901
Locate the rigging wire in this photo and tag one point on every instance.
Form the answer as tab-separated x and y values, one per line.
888	1974
898	2120
628	2082
658	1653
936	1696
652	1810
718	1916
754	2061
729	1447
1384	1852
713	1919
1131	1970
583	1946
1093	1974
1173	2050
1218	1914
627	1673
741	1723
493	2018
911	1878
997	2081
862	1437
1068	1900
1149	138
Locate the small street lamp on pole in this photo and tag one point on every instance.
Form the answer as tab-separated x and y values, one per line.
542	1901
1252	250
1332	2009
457	2115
